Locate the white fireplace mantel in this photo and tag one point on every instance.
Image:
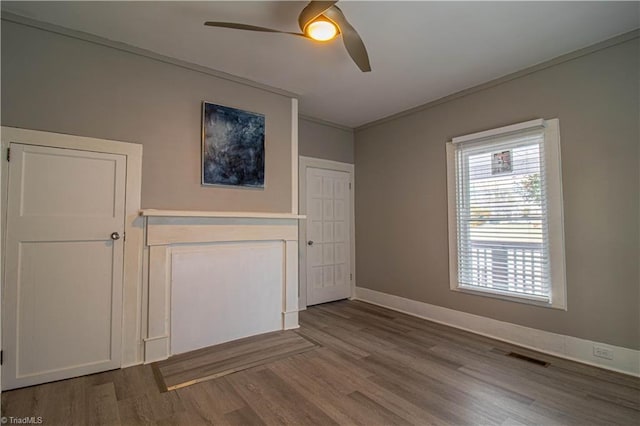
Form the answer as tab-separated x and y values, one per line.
218	276
200	213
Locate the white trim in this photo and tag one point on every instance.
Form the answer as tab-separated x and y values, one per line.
302	234
290	287
132	284
166	236
321	163
158	304
619	39
202	213
144	326
163	231
555	215
325	123
156	349
555	219
625	360
92	38
290	320
451	216
500	131
294	156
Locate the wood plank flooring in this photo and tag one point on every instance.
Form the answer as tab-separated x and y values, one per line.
373	367
216	361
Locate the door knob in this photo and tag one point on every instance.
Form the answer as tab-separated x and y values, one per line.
310	243
115	236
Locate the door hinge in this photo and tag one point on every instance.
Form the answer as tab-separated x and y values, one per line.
8	154
351	277
349	185
1	357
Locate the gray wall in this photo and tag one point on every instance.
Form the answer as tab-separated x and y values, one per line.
325	141
401	198
61	84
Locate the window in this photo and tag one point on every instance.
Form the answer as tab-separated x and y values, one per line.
506	235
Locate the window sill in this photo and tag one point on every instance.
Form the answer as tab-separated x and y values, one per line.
509	298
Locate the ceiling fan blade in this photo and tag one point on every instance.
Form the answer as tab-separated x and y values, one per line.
352	41
236	26
312	11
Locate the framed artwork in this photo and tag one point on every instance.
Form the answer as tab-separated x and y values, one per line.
232	147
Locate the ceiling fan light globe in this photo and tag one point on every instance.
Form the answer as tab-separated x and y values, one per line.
321	30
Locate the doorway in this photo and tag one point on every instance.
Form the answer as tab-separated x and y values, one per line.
326	236
64	258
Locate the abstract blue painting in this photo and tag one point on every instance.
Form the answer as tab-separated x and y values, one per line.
232	146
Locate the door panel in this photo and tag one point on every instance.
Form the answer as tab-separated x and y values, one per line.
63	275
41	305
328	236
56	171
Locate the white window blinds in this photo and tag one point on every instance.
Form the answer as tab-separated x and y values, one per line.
501	214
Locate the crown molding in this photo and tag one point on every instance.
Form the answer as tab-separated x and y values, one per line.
325	123
622	38
90	38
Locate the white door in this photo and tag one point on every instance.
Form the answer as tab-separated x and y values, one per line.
64	258
328	236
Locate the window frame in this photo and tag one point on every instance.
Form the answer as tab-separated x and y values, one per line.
555	215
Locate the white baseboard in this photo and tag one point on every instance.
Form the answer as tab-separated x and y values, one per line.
625	360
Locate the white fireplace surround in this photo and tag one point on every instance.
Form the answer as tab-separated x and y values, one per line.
213	277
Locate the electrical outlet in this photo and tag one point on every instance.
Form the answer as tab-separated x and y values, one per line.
602	352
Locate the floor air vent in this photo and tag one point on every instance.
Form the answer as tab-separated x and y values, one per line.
528	359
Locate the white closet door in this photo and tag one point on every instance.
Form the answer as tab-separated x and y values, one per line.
64	262
328	234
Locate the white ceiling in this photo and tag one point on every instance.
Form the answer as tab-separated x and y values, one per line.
419	51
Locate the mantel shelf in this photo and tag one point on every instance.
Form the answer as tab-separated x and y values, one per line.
197	213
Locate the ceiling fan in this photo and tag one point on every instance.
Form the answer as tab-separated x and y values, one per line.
321	21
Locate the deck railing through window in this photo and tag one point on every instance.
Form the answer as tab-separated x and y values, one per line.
516	268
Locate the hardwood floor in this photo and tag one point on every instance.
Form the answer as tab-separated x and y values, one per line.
216	361
372	367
